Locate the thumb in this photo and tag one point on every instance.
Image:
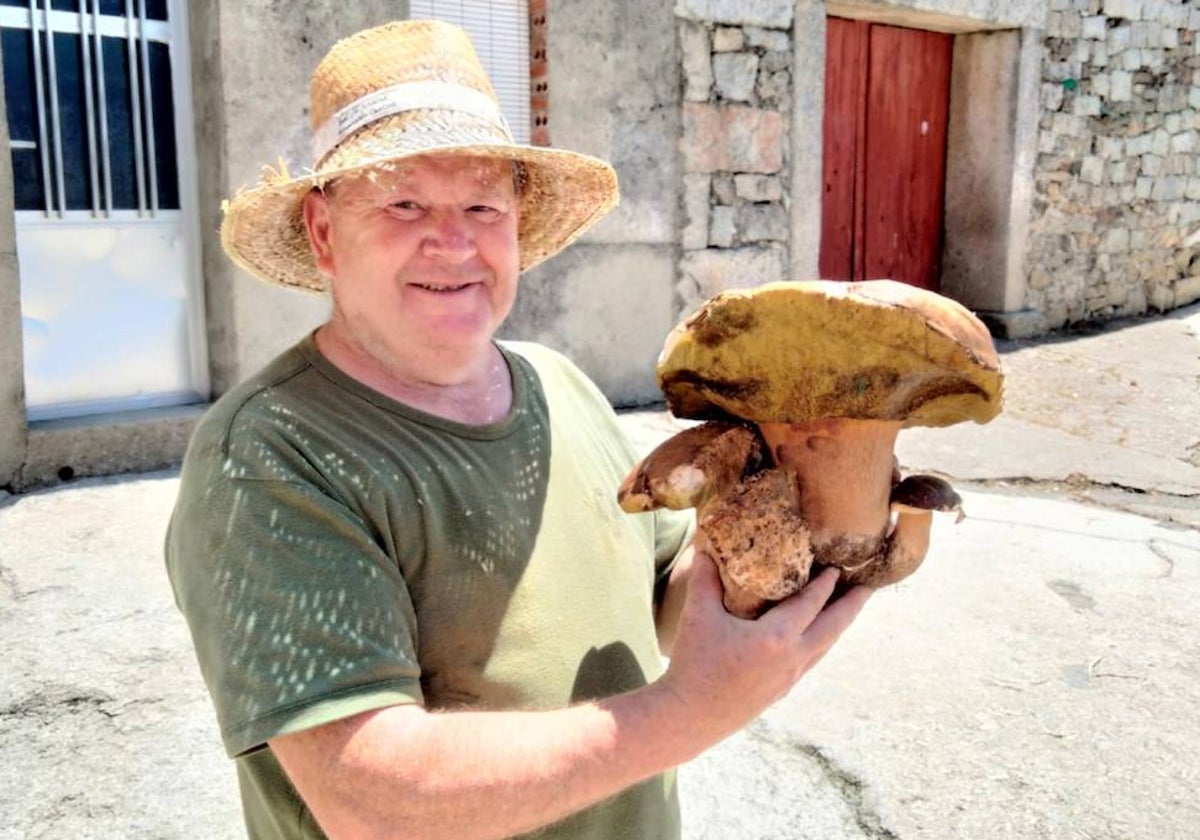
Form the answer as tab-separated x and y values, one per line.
705	580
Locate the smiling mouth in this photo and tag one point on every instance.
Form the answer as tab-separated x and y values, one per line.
436	287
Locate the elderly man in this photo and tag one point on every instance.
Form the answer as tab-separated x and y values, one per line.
414	600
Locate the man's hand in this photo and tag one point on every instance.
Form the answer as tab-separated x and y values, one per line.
726	670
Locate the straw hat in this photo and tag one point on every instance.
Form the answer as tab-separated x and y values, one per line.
393	92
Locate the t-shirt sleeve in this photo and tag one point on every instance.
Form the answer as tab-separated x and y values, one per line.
298	617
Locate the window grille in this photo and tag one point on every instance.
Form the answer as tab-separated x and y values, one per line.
500	30
90	108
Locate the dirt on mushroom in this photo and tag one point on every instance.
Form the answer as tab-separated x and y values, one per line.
822	376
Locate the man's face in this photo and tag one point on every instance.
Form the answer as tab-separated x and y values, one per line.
421	256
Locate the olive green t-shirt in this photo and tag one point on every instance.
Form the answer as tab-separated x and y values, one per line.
335	551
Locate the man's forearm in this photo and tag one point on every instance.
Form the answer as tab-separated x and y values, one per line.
403	772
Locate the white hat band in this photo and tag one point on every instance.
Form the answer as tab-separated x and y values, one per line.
407	96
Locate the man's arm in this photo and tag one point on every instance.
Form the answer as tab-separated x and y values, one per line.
402	771
670	607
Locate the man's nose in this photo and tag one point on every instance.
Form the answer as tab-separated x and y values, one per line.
450	239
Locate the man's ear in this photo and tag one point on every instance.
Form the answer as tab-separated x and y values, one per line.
319	226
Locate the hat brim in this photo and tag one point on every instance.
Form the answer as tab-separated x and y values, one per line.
563	194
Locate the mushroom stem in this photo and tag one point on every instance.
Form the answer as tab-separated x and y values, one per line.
844	469
907	545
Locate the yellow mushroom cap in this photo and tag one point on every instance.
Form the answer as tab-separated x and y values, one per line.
799	351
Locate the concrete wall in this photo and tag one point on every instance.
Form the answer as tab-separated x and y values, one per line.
12	369
251	63
614	92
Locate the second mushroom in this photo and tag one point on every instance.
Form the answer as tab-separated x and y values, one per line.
805	387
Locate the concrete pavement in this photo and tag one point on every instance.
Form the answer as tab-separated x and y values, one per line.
1038	677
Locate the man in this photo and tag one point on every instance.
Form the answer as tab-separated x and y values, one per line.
413	598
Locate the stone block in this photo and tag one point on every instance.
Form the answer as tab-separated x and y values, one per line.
1092	170
1168	188
1119	38
1087	106
1162	298
1100	54
1192	190
1161	142
1151	165
776	14
696	51
1144	187
1193	95
1181	164
1184	143
1114	241
727	39
774	61
1095	28
1187	290
704	273
768	39
756	188
1052	96
1120	172
1131	59
731	138
1174	15
762	223
723	189
735	74
1069	125
773	89
696	192
1128	9
1138	145
1170	38
1120	87
1110	148
722	227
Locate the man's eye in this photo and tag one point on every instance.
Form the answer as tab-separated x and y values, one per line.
405	209
484	210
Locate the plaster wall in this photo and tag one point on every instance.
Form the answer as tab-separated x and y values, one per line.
605	302
12	369
991	143
252	60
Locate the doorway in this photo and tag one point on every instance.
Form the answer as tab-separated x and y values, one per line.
887	98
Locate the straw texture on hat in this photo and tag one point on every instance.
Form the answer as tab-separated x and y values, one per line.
562	193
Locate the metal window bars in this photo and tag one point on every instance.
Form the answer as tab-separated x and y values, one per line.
43	22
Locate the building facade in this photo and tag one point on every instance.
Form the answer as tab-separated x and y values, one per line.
1033	159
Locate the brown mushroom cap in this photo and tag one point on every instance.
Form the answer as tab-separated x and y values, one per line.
794	352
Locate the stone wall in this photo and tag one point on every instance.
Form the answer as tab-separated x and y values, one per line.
737	65
1116	211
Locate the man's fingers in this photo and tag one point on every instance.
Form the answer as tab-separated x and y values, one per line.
800	609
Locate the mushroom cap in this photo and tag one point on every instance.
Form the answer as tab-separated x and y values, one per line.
799	351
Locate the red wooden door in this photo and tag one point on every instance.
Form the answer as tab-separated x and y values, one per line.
887	95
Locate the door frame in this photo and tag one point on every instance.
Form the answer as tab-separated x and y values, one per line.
1004	45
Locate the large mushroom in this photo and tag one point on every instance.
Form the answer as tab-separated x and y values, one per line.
805	387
